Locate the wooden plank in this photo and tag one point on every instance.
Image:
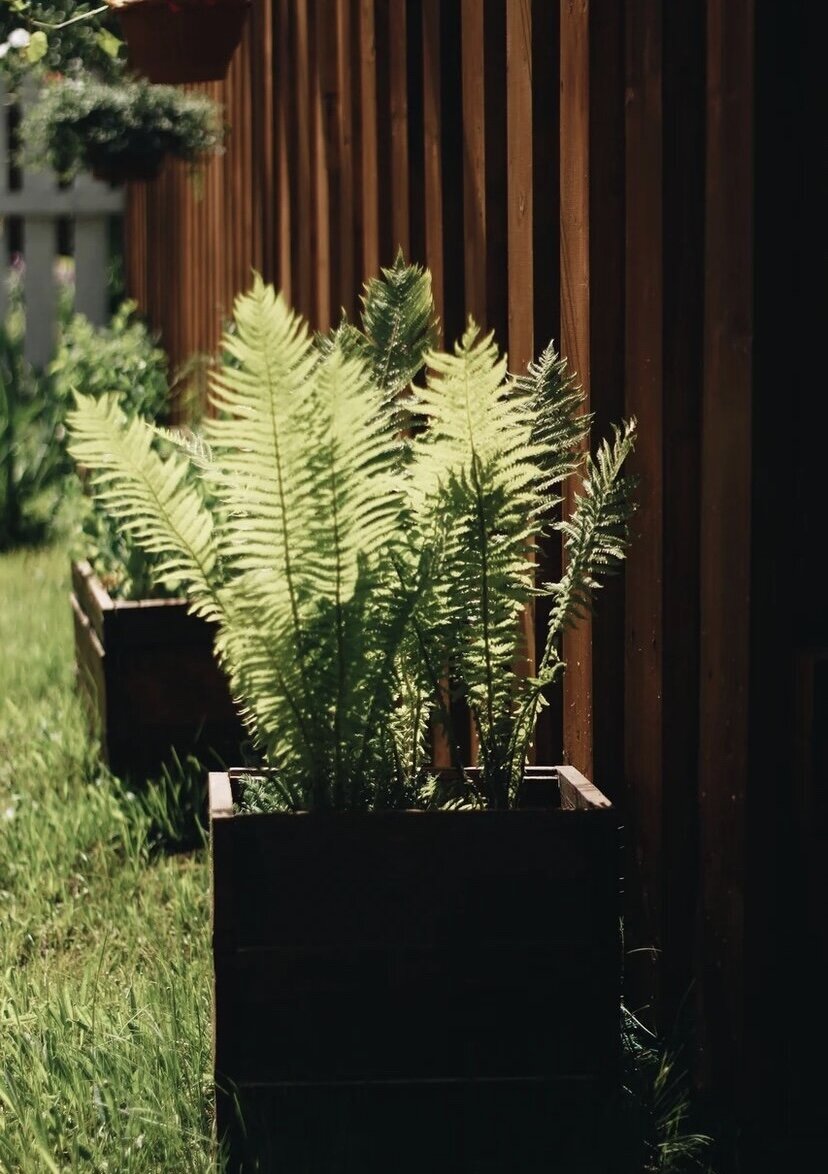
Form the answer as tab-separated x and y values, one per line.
451	119
726	530
433	151
474	157
92	260
324	165
93	599
345	294
546	284
398	99
575	327
683	72
300	163
89	663
285	211
644	687
521	340
369	140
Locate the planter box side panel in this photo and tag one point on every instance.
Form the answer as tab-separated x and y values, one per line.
151	680
90	670
427	951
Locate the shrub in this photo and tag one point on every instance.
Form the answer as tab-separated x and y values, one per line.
121	359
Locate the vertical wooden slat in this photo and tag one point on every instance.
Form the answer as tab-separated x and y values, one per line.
520	225
398	97
369	140
300	163
345	296
683	55
519	174
644	689
474	157
433	151
283	139
41	293
575	325
726	530
325	165
546	285
91	260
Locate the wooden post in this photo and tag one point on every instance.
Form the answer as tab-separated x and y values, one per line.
521	340
369	139
575	327
644	692
283	142
433	151
726	533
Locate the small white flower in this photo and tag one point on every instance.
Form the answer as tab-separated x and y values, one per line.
4	48
19	38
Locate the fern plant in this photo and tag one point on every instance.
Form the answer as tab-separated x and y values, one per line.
357	538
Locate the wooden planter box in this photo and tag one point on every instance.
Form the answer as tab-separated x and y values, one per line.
417	991
150	680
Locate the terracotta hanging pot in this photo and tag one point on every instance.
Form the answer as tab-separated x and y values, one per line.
181	40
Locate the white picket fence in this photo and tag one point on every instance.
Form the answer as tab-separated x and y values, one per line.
37	200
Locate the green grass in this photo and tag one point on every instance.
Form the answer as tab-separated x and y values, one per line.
104	942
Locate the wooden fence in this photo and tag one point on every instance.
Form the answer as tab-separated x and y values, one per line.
41	220
583	170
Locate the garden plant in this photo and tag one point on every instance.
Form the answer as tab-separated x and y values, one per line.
117	131
356	538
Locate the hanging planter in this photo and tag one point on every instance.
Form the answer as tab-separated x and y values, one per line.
118	133
128	169
181	40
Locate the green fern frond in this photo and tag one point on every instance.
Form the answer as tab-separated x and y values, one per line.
595	541
399	324
560	426
596	535
475	465
153	497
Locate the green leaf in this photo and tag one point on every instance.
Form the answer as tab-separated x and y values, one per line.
37	48
108	42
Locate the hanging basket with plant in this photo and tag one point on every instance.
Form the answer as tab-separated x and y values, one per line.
181	40
118	132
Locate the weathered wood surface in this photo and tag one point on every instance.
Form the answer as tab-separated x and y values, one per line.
150	680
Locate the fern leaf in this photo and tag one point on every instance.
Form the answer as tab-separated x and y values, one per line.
399	324
560	426
152	496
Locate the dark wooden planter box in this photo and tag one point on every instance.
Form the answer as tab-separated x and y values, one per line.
417	991
150	680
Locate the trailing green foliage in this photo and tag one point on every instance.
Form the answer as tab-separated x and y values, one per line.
86	124
352	571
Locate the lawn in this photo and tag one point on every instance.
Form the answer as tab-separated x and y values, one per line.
104	933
